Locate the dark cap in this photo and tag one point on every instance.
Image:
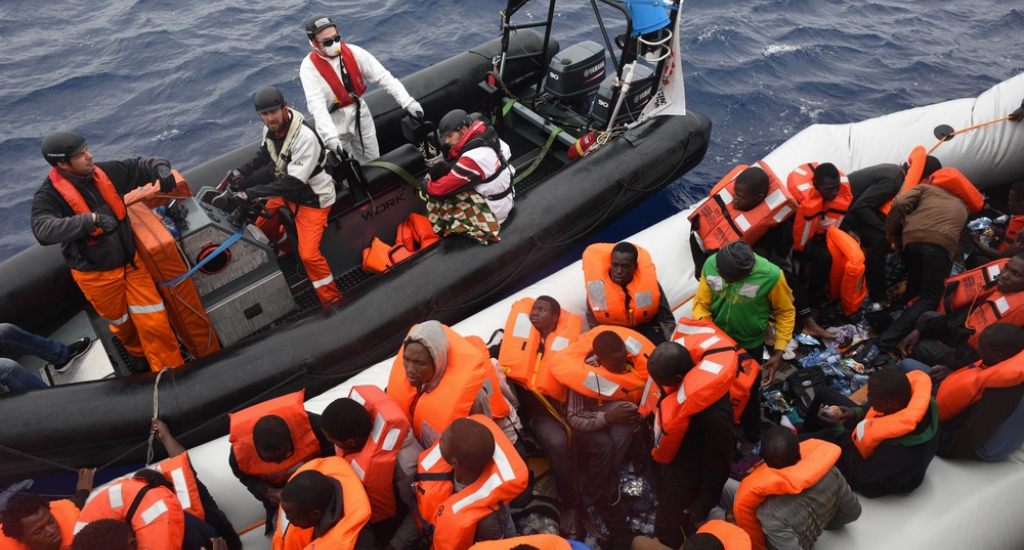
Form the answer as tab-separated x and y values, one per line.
735	261
318	23
454	120
268	99
61	146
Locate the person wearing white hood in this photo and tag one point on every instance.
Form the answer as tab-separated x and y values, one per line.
334	77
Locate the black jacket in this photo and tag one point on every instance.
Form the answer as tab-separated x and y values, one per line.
968	431
706	453
872	187
54	222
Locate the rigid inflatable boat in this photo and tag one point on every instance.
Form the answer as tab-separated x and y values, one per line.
275	336
961	504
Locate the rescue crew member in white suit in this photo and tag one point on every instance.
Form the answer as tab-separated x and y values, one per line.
289	167
334	77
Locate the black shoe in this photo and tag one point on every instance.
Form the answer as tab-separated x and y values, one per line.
75	350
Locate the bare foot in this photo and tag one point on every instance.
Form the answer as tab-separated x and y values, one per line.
812	328
569	525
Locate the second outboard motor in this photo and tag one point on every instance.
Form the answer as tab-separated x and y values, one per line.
640	93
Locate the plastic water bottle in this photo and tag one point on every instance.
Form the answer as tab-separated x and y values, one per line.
169	224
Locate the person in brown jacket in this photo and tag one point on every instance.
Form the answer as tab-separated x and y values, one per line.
925	222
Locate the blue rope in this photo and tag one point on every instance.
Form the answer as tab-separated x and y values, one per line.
223	246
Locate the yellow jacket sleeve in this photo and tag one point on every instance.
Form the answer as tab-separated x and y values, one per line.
781	297
702	301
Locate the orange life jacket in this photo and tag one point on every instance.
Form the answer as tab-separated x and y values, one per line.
607	300
970	288
377	256
540	542
817	457
453	397
721	223
342	94
965	387
306	445
178	470
997	308
715	356
731	536
448	519
519	356
414	234
953	181
492	386
846	279
1015	226
77	203
344	533
747	371
374	464
571	369
159	251
876	427
814	213
915	169
156	517
66	514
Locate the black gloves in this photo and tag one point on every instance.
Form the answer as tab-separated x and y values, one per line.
235	179
106	223
167	183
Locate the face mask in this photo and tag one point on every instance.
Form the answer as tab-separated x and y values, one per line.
333	50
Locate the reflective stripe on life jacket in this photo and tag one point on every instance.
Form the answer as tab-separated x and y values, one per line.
157	518
965	387
607	300
342	93
731	536
453	397
66	514
519	356
178	470
540	542
719	222
355	506
814	214
997	308
305	444
448	519
714	356
971	287
817	457
374	464
570	367
876	427
846	279
77	203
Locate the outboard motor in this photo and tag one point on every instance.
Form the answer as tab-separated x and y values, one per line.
575	73
640	93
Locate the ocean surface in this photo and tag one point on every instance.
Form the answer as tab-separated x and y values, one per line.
176	78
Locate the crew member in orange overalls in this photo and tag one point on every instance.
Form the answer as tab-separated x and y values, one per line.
81	207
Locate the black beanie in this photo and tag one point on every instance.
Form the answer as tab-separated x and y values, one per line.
735	261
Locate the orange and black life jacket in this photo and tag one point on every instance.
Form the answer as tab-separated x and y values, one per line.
448	519
971	287
966	386
540	542
304	442
607	300
715	356
718	221
731	536
814	214
154	513
77	202
997	308
876	427
343	535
